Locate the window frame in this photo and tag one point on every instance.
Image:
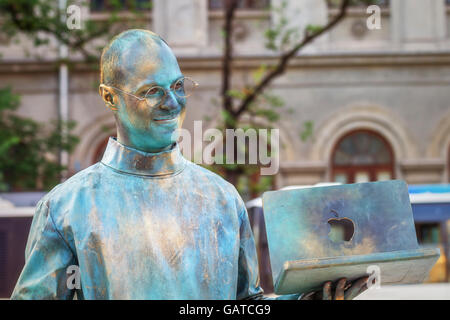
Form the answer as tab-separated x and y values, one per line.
351	170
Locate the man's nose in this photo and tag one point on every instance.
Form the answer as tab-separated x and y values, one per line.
170	102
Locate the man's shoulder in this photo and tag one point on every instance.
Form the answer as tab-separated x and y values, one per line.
202	175
74	185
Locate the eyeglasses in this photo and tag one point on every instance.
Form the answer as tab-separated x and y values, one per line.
183	88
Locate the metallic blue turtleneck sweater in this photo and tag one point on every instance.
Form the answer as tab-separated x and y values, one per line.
141	226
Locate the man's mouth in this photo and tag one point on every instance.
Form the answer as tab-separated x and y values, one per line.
166	119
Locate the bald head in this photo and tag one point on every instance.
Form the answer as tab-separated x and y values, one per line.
130	52
133	64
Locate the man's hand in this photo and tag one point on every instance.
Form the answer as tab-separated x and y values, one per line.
342	290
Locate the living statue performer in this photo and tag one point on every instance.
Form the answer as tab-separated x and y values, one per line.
144	222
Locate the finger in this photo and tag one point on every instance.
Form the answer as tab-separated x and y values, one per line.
363	288
354	290
308	296
348	285
326	291
339	292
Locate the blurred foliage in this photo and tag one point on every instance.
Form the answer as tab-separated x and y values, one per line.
280	36
245	177
252	105
41	22
265	108
27	149
261	115
307	130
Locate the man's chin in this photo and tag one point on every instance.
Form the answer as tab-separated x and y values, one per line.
164	130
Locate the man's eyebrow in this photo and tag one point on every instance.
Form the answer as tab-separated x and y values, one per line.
145	85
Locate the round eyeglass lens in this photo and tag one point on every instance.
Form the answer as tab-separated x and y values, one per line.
184	87
154	95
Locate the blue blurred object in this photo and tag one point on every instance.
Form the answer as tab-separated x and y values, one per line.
431	202
429	188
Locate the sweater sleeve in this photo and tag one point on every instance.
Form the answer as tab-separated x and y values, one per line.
47	257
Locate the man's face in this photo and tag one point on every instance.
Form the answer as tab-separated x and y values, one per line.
147	124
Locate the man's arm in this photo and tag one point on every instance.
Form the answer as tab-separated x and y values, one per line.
47	257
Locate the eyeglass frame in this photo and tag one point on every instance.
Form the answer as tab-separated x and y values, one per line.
157	86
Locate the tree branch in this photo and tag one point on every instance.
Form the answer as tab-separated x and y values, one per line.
229	10
284	59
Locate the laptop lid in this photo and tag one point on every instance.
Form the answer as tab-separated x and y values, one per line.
344	220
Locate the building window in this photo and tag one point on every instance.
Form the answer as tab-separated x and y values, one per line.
242	4
362	156
110	5
428	233
359	3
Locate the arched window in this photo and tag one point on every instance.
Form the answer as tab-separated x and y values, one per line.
362	156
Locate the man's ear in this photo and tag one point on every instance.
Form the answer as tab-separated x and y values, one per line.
107	96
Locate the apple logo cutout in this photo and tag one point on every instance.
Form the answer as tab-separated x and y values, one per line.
341	229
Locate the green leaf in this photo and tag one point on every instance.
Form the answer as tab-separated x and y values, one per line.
259	73
307	130
270	115
229	120
312	29
238	94
274	100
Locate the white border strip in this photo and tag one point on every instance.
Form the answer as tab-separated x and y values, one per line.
16	212
428	197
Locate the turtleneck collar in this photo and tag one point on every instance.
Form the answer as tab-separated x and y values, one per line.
133	161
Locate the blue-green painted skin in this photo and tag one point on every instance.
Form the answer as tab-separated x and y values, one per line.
142	224
133	62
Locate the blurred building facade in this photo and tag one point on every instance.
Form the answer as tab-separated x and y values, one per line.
377	99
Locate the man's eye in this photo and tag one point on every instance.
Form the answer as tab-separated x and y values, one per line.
178	85
152	91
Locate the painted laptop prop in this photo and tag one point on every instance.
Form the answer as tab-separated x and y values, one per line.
326	233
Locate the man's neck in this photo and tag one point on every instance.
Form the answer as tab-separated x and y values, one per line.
148	149
131	160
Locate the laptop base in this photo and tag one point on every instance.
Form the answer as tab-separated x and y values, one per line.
406	266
